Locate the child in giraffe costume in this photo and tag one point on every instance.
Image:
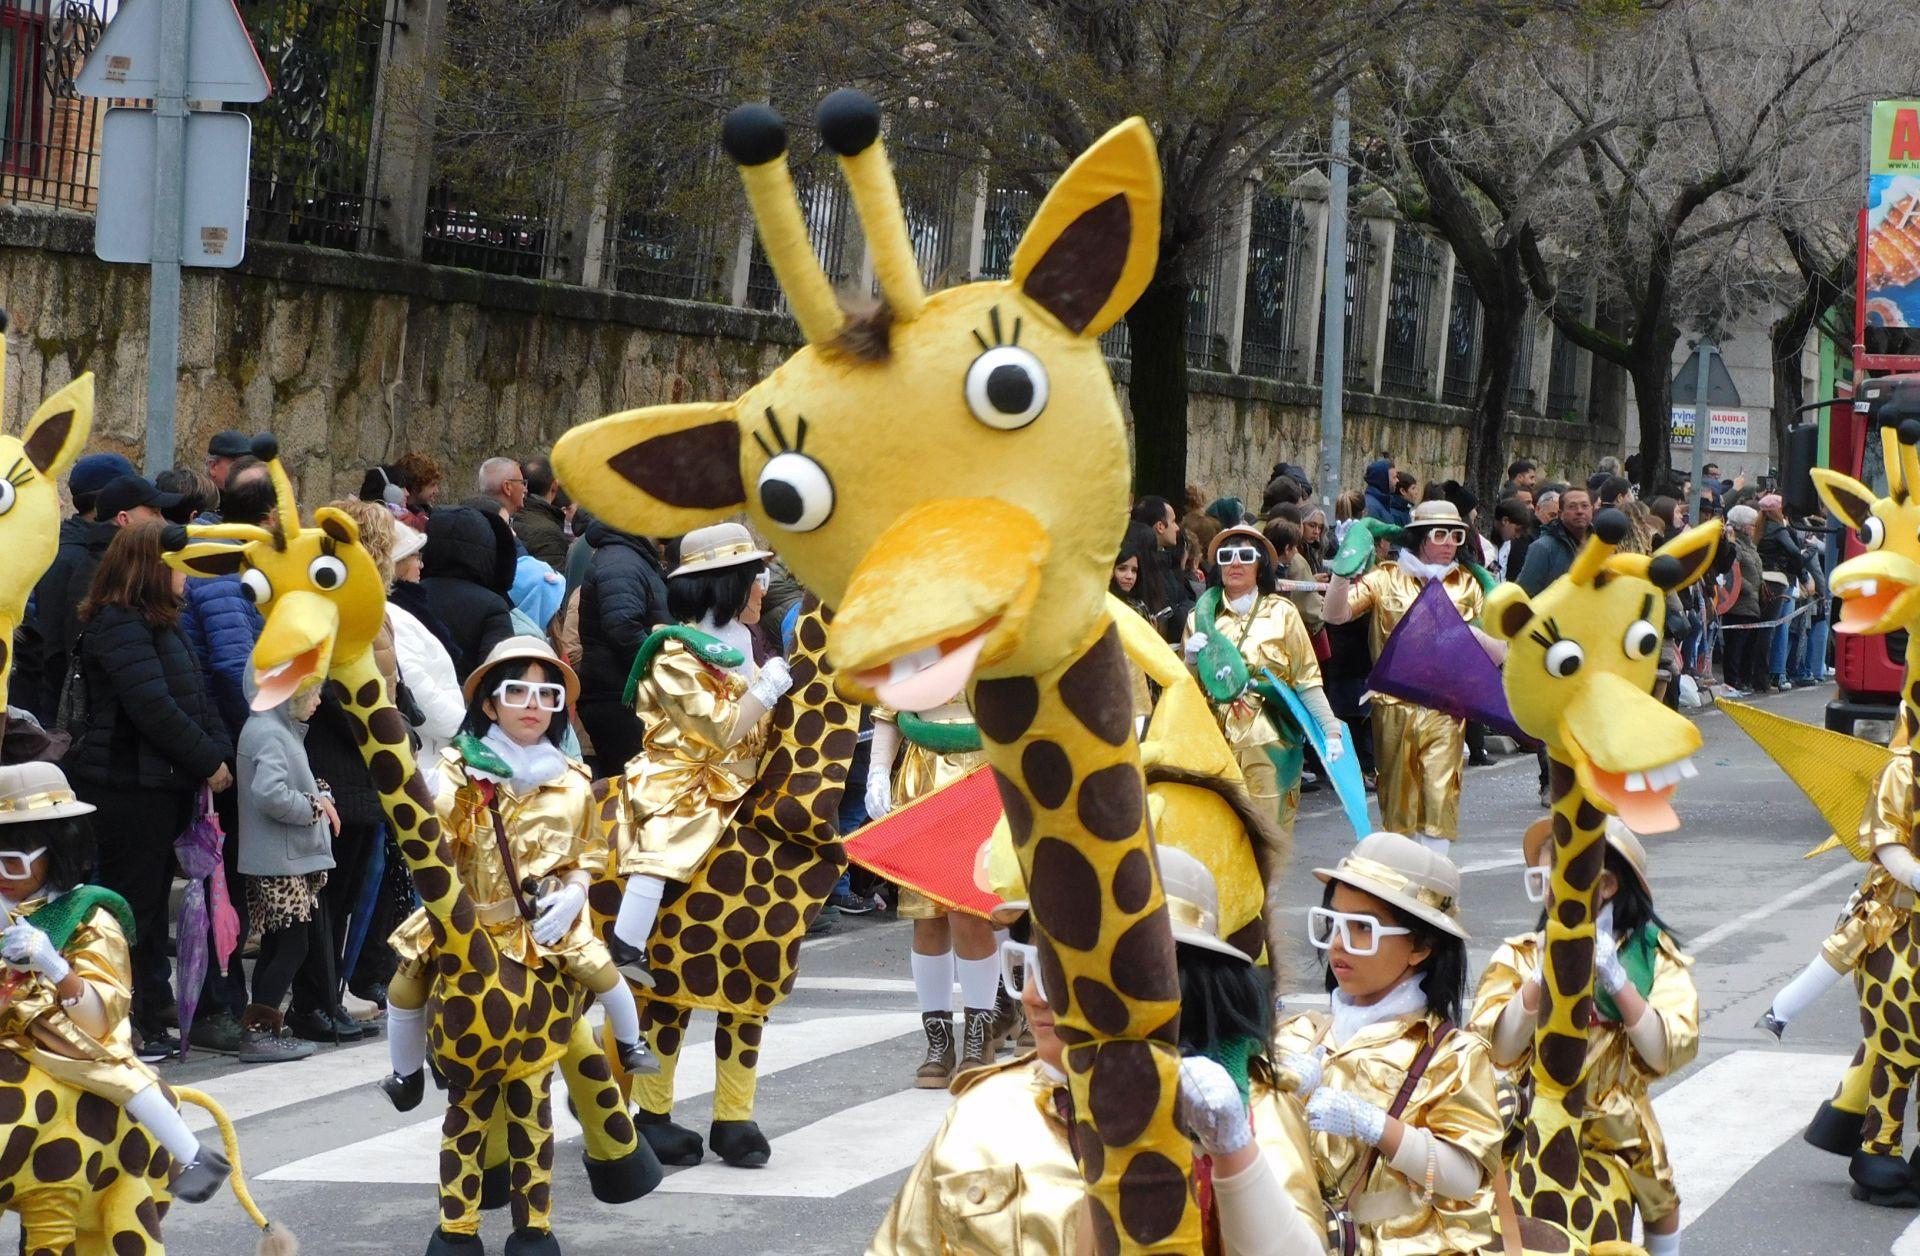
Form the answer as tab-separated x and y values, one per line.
729	942
944	470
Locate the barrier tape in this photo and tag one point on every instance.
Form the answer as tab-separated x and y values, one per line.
1771	623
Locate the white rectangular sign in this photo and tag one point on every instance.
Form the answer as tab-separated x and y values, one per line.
214	227
1727	434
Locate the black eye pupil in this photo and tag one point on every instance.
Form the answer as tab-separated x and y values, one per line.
781	501
1010	388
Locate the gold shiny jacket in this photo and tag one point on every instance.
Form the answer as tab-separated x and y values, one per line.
1454	1101
1889	822
36	1027
1271	635
1386	592
1000	1178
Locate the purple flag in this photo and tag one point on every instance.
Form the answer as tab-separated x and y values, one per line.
1433	659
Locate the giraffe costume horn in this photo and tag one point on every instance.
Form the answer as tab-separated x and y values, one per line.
756	138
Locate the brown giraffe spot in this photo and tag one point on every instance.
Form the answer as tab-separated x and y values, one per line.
1167	1031
810	727
127	1243
619	1126
415	851
451	1205
134	1152
539	1193
698	939
1562	1055
727	872
1153	1197
763	960
1902	988
1560	1159
96	1117
729	954
1874	995
1065	892
386	770
433	882
1250	939
722	1042
1004	709
1113	802
1105	1238
1143	961
841	742
1571	961
14	1154
1133	882
1095	690
1549	1206
388	727
489	1059
148	1214
603	898
1889	1041
1104	1009
702	976
791	814
481	957
1052	976
736	987
785	887
13	1104
1123	1092
1088	1150
404	815
13	1068
1583	1214
44	1106
817	881
701	905
57	1161
1896	1019
1048	773
1571	912
1019	811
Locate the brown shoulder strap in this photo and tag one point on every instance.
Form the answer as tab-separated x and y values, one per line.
1400	1101
506	855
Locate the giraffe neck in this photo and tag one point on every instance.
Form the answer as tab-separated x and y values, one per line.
382	734
1910	692
1566	966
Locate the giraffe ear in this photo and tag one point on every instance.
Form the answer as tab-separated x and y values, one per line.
1850	501
208	558
659	471
59	429
337	524
1092	247
1686	557
1508	612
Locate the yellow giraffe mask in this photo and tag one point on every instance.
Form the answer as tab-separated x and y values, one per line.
32	465
324	593
934	469
1879	590
1580	666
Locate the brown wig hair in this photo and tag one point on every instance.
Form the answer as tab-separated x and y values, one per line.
132	574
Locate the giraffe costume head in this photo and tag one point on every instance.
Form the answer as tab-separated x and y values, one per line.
30	469
949	473
1879	590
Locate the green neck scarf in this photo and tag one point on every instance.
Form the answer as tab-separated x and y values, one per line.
1638	954
707	649
960	737
1236	1055
63	915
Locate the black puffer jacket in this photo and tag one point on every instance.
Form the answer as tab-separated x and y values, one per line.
56	605
151	724
469	569
622	599
335	758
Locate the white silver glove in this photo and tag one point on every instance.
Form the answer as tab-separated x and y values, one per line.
879	794
774	681
24	946
558	911
1210	1109
1194	644
1336	749
1344	1114
1607	968
1302	1073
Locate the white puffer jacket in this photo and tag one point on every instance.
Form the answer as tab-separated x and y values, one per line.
427	670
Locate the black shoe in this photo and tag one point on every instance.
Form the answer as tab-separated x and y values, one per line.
673	1144
317	1026
374	992
1883	1181
156	1046
740	1144
199	1180
528	1241
1480	761
1771	1023
847	903
1835	1130
637	1059
822	923
624	1180
631	962
444	1244
405	1092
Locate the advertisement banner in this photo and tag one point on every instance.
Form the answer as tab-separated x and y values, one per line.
1891	266
1727	432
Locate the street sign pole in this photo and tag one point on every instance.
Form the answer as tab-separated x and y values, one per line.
1333	372
169	210
1702	428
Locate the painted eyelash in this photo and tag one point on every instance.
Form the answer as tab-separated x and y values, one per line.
798	444
20	474
1549	637
999	335
1646	606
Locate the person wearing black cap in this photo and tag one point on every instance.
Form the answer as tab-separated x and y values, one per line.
84	537
222	451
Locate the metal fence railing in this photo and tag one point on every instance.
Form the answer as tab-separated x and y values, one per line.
1360	248
1563	378
49	134
1463	343
1411	292
1278	287
1520	394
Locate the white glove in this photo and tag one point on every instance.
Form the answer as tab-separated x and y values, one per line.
879	793
1344	1114
558	911
1194	644
1304	1072
24	946
1336	749
1612	974
773	681
1209	1108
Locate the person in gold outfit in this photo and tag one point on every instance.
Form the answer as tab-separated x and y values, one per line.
703	703
913	755
1418	751
514	810
1243	608
1000	1177
1646	1019
1409	1177
65	948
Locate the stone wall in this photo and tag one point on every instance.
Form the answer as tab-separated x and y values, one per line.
352	360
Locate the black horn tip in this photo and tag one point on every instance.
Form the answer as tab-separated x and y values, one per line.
1666	571
849	121
266	447
1610	526
173	538
754	135
1910	432
3	321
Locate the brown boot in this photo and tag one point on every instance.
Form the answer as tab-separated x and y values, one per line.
1007	1020
264	1039
976	1041
937	1069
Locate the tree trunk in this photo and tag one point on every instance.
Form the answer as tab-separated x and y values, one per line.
1787	337
1157	326
1652	372
1490	437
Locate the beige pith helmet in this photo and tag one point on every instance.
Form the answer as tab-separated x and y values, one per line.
37	791
1193	903
1434	514
1619	836
1401	871
715	546
534	649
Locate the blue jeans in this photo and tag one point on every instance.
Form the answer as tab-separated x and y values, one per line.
1782	640
1810	659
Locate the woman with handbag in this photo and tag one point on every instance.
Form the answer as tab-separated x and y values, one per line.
1406	1129
1646	1019
999	1176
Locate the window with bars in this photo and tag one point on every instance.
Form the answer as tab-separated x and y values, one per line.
1279	282
1359	281
1410	300
1463	343
1520	393
1563	378
49	134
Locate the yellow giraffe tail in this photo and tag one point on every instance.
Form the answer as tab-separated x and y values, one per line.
275	1239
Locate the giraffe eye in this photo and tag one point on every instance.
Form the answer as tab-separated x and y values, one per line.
1006	387
1564	658
327	573
795	492
1642	639
7	496
258	587
1873	533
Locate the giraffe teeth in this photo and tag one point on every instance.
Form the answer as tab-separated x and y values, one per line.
1687	770
908	665
1636	782
278	671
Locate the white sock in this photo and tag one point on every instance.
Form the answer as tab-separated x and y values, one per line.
1813	981
933	980
623	1014
406	1038
638	906
159	1119
979	982
1438	845
1661	1244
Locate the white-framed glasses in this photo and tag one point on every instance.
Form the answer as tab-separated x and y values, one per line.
17	865
1249	554
521	694
1457	535
764	578
1359	933
1538	880
1020	964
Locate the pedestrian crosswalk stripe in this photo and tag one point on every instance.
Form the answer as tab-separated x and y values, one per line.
269	1087
819	1161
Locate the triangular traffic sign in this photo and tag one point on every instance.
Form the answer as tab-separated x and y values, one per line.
221	62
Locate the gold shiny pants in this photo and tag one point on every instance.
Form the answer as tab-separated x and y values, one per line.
1418	753
736	1059
1272	776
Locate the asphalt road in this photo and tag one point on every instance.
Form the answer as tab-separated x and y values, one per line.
334	1162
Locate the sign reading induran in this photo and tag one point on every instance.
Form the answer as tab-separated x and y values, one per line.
1892	254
